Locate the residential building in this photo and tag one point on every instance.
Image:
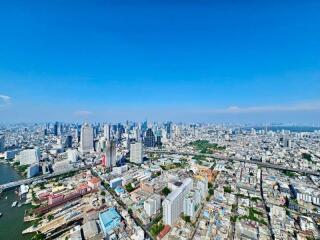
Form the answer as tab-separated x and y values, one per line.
173	204
136	152
29	156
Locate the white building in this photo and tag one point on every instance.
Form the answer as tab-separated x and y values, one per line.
152	205
29	156
191	203
203	186
173	204
73	155
136	152
107	132
120	170
86	138
62	166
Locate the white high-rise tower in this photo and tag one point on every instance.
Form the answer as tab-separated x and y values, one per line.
86	138
107	132
136	152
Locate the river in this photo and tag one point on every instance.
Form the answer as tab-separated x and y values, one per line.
11	222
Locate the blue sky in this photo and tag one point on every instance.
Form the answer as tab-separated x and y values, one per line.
236	61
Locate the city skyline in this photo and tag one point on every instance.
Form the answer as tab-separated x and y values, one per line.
189	62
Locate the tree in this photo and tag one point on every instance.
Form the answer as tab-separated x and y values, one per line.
156	229
38	236
103	193
211	191
129	187
50	217
306	156
187	218
227	189
166	191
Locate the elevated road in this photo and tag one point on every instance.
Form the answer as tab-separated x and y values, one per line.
15	184
216	156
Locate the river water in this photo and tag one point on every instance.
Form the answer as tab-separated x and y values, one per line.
11	222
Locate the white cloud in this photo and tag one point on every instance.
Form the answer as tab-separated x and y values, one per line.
5	99
297	107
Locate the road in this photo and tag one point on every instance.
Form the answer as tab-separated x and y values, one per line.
15	184
262	164
265	207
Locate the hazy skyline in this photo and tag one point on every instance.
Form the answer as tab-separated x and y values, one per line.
177	60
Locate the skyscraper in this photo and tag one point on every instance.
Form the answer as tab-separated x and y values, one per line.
149	140
137	134
168	129
158	139
107	132
77	134
109	159
136	152
86	138
68	143
56	129
144	126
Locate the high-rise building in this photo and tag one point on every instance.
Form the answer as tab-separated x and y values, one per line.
68	143
136	152
107	132
287	143
149	140
203	187
109	159
137	134
77	135
168	129
152	205
29	156
2	139
56	128
191	203
144	126
33	170
86	138
173	204
158	139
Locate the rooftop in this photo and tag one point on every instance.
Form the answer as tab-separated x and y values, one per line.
109	219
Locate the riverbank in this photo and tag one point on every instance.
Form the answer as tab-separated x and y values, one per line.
11	223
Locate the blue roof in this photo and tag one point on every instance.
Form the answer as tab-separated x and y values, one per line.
109	219
119	190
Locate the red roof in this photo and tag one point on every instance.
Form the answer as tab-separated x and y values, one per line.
164	231
56	195
94	180
83	186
